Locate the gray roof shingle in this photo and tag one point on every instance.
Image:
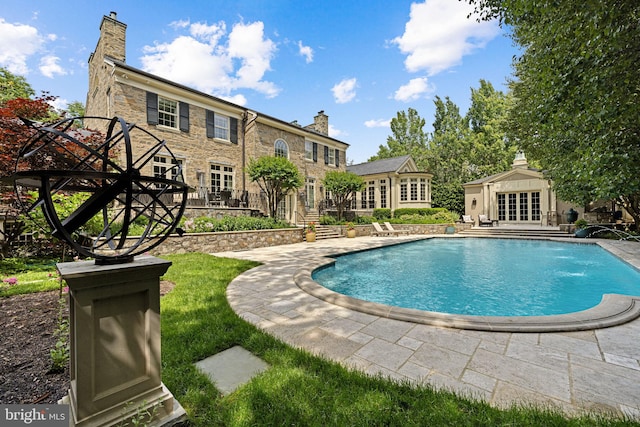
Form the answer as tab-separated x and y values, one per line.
378	166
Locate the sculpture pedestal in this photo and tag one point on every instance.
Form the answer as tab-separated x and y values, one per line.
114	314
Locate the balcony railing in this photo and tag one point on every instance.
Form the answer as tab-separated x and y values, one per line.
226	199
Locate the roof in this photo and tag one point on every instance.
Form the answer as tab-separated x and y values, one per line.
496	177
379	166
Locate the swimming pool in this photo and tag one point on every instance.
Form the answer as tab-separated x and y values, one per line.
482	277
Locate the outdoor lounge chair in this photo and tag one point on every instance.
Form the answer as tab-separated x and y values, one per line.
379	231
467	219
390	228
484	220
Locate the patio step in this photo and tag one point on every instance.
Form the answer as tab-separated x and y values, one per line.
325	233
516	231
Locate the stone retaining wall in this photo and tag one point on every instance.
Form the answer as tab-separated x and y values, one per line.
243	240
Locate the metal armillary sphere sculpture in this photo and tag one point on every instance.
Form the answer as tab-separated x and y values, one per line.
58	161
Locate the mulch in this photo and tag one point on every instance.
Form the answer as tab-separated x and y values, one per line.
27	335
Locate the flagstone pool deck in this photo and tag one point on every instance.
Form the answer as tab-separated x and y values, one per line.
594	370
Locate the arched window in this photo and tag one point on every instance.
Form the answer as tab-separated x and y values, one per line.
281	149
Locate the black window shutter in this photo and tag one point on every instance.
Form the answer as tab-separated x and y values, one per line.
315	152
326	155
184	116
210	120
337	157
233	129
152	108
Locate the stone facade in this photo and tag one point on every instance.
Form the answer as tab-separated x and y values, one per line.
244	240
209	163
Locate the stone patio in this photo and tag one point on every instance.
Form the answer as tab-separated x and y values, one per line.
590	370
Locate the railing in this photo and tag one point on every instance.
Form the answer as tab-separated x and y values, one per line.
226	199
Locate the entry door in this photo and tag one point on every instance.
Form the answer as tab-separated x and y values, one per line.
310	190
520	207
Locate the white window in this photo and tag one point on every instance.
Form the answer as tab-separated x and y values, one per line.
308	150
423	189
281	149
331	156
221	178
372	194
167	167
167	112
383	193
403	190
414	189
221	127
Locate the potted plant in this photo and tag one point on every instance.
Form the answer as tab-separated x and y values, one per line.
582	228
351	230
310	232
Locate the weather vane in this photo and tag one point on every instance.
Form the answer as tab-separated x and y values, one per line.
122	213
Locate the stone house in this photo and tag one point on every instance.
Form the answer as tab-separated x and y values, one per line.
392	183
212	139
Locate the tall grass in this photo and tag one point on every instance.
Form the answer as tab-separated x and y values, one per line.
298	388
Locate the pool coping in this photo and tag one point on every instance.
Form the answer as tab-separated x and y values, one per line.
614	309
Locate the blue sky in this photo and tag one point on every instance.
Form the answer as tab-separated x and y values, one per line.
359	61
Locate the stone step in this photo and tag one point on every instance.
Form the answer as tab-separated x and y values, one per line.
325	233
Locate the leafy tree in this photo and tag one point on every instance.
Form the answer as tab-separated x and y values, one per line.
491	151
276	176
408	138
76	109
13	134
343	186
576	93
449	155
12	86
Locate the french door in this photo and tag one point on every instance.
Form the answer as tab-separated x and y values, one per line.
519	207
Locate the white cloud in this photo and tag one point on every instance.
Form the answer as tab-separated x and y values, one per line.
205	60
237	99
438	34
59	104
49	66
345	91
305	51
378	123
336	133
17	43
415	89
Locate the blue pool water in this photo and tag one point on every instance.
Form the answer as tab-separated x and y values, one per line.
483	277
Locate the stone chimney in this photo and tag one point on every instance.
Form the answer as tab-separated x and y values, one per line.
112	41
321	123
520	161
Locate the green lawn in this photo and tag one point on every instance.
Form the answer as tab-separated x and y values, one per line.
299	389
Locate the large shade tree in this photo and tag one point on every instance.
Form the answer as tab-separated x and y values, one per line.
276	176
461	148
408	137
576	93
13	86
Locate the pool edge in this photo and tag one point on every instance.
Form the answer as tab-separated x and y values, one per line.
614	309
